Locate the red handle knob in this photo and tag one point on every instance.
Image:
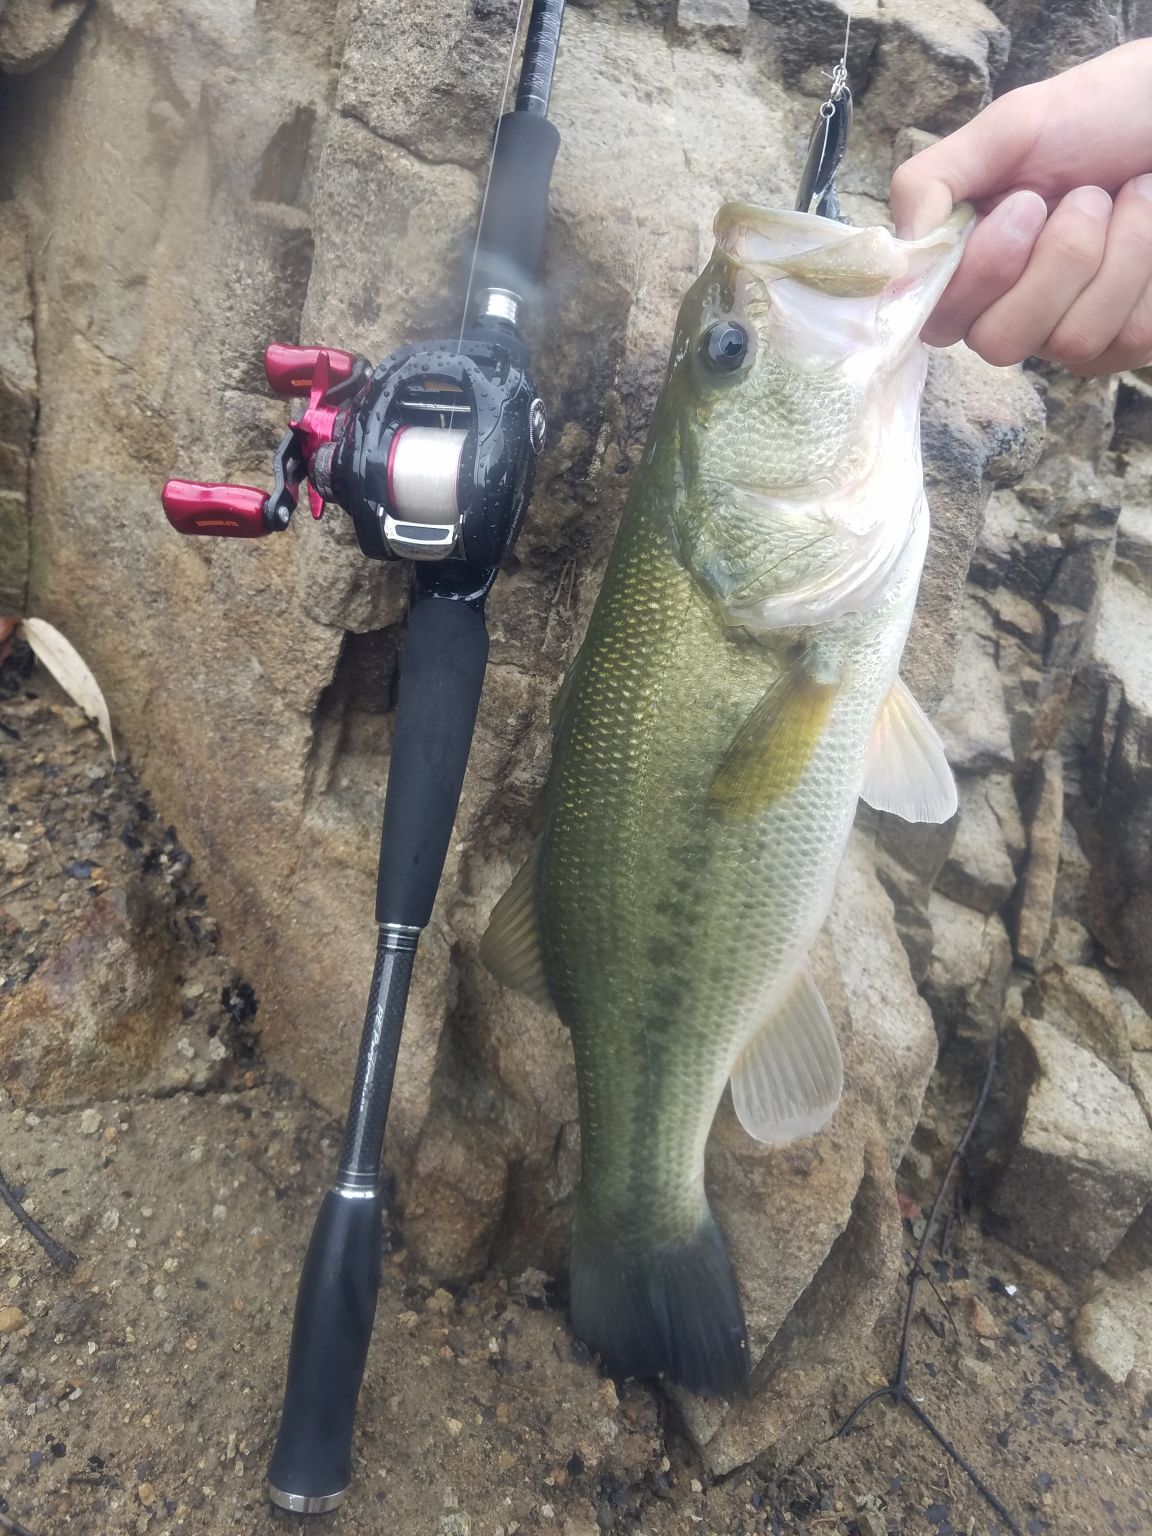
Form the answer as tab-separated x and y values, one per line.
289	369
228	511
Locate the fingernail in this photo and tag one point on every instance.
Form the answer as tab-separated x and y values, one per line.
1094	202
1143	186
1023	216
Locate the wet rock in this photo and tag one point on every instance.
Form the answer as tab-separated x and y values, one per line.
31	31
1134	543
972	720
1116	822
18	389
1133	419
90	1021
1054	36
723	23
1105	1342
920	847
909	895
460	1181
435	99
1140	1076
981	428
1078	1001
1113	1334
968	973
978	871
809	35
1045	832
933	64
1069	943
1136	1020
1081	1172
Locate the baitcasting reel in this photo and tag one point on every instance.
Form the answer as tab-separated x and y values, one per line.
432	455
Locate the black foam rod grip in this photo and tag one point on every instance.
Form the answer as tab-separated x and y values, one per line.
335	1309
510	248
441	675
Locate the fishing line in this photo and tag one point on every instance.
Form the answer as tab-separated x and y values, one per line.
488	178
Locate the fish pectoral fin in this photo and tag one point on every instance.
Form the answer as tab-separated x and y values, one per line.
905	770
771	749
789	1080
510	947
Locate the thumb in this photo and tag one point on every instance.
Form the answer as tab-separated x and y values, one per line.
976	161
920	201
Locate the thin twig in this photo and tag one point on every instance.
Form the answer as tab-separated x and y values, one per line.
62	1257
897	1391
978	1483
13	1527
924	1275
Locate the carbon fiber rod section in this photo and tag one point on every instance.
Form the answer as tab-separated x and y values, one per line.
535	87
376	1066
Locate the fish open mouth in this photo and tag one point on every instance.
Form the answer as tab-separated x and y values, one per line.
840	260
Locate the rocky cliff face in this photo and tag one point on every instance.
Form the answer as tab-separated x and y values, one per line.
184	181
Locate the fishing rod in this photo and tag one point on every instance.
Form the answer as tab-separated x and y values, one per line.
432	454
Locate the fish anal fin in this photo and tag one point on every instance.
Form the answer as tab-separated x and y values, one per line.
770	751
790	1076
510	947
905	770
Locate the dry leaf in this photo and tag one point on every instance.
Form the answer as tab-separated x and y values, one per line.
71	671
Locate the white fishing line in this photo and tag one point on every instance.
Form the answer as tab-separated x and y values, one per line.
488	178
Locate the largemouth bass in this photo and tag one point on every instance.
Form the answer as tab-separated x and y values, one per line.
736	692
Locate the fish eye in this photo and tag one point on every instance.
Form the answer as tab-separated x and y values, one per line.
724	346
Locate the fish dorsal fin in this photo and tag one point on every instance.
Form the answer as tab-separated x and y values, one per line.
790	1077
771	749
905	770
510	947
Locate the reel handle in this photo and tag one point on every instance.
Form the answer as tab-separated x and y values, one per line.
223	511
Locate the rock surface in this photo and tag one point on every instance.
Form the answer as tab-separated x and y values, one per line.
979	870
1114	1329
1082	1171
17	408
31	31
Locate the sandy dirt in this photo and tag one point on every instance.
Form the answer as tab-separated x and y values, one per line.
139	1392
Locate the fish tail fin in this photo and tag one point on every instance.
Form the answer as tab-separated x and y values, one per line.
671	1309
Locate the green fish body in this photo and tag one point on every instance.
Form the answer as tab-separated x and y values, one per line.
736	692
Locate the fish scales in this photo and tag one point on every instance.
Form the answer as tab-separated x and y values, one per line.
717	727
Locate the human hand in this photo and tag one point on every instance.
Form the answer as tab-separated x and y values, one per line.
1060	264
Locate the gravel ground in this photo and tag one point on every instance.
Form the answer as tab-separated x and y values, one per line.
139	1392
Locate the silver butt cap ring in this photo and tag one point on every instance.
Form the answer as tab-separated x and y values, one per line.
305	1503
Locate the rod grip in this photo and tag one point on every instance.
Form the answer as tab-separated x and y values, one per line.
311	1464
441	675
510	246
